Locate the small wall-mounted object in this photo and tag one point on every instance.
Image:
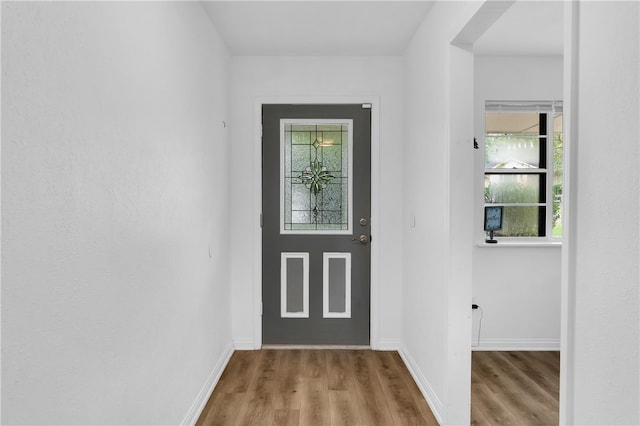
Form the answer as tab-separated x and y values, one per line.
492	221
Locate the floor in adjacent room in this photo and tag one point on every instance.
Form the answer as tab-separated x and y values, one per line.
515	388
362	387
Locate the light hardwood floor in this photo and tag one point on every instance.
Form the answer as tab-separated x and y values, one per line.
515	388
316	387
362	387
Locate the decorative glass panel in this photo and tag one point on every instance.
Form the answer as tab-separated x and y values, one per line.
336	285
316	173
294	285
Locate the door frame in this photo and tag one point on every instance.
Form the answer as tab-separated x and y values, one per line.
375	204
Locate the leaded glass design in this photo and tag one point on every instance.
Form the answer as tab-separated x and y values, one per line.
315	176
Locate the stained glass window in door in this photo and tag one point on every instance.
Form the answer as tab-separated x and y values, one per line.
316	176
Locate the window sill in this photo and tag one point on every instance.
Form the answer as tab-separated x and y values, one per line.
506	243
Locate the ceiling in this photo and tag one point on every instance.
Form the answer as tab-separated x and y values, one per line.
371	28
317	28
526	28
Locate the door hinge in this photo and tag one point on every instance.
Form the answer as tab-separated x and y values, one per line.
261	311
261	220
366	106
261	130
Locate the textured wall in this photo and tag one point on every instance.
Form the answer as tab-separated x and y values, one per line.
436	236
115	300
605	358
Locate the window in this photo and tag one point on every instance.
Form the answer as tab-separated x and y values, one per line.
523	167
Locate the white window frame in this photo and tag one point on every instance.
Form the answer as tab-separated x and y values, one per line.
284	257
326	276
546	107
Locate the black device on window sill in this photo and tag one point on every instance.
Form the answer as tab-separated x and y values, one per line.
492	221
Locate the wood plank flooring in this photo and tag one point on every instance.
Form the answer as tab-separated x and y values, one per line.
515	388
316	387
367	388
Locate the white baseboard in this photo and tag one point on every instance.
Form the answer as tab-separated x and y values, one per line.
243	344
388	345
423	384
205	393
516	345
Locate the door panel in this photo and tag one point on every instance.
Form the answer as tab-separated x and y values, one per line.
316	177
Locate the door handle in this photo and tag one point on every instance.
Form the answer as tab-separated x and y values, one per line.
363	239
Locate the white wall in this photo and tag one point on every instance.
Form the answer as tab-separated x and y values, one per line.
517	288
115	299
316	77
435	337
602	356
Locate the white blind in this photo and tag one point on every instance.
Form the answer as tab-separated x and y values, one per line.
523	106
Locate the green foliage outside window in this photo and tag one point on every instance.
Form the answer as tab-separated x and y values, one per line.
558	162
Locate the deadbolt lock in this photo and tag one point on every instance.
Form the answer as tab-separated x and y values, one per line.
363	239
363	222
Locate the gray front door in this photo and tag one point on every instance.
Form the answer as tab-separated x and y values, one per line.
316	192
